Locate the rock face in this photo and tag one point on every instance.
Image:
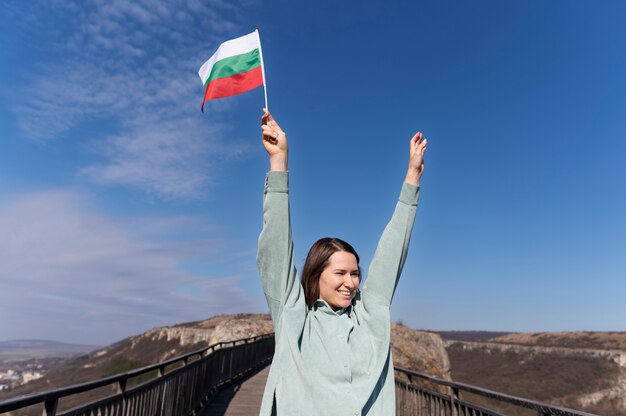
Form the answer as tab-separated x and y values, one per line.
184	336
419	351
615	395
203	333
233	329
616	356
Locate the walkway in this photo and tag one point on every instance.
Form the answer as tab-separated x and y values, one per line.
242	399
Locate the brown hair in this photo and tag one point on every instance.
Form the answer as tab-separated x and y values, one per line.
315	263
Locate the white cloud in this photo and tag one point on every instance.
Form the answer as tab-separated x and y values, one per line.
133	65
163	158
69	271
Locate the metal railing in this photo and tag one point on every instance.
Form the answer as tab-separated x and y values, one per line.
413	398
199	375
183	390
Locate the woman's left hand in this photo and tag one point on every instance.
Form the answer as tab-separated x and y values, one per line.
417	148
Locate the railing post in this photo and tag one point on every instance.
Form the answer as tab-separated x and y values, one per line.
121	386
162	391
454	398
50	407
121	389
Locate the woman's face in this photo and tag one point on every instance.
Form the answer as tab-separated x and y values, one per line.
339	280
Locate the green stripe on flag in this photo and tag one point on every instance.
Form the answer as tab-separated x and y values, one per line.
234	65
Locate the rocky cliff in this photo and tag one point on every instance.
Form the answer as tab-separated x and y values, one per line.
419	351
616	356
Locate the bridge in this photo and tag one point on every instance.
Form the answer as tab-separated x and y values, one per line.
227	378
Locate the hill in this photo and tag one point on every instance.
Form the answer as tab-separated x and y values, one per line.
579	370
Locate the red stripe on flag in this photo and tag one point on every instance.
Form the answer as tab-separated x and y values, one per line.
236	84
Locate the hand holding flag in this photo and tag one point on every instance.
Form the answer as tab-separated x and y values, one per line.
275	142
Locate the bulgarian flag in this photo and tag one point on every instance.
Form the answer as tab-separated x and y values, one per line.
236	67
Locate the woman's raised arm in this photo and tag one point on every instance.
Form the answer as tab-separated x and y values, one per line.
275	257
388	261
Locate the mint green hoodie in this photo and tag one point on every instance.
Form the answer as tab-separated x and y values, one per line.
330	362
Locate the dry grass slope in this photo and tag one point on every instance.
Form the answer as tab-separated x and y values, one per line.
580	339
564	374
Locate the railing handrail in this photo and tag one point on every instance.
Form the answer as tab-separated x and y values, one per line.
541	408
34	398
55	394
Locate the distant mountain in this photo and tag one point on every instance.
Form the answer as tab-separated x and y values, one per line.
25	349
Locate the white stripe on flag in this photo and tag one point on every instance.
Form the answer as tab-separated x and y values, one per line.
227	49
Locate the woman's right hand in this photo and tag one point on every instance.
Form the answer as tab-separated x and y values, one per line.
275	142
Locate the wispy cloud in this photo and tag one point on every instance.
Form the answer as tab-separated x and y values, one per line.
133	64
161	158
67	269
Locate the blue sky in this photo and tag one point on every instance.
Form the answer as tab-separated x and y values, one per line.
123	207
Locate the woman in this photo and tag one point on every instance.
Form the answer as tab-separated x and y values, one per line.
332	340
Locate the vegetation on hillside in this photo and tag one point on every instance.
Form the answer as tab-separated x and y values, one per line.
554	378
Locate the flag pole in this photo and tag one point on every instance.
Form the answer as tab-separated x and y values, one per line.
262	68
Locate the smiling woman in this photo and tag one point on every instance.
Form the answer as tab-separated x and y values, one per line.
332	339
331	272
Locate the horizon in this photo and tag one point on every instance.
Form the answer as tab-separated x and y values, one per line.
123	207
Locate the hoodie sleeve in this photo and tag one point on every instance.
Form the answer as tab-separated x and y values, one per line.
275	257
388	261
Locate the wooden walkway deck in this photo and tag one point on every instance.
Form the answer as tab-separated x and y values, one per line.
242	399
